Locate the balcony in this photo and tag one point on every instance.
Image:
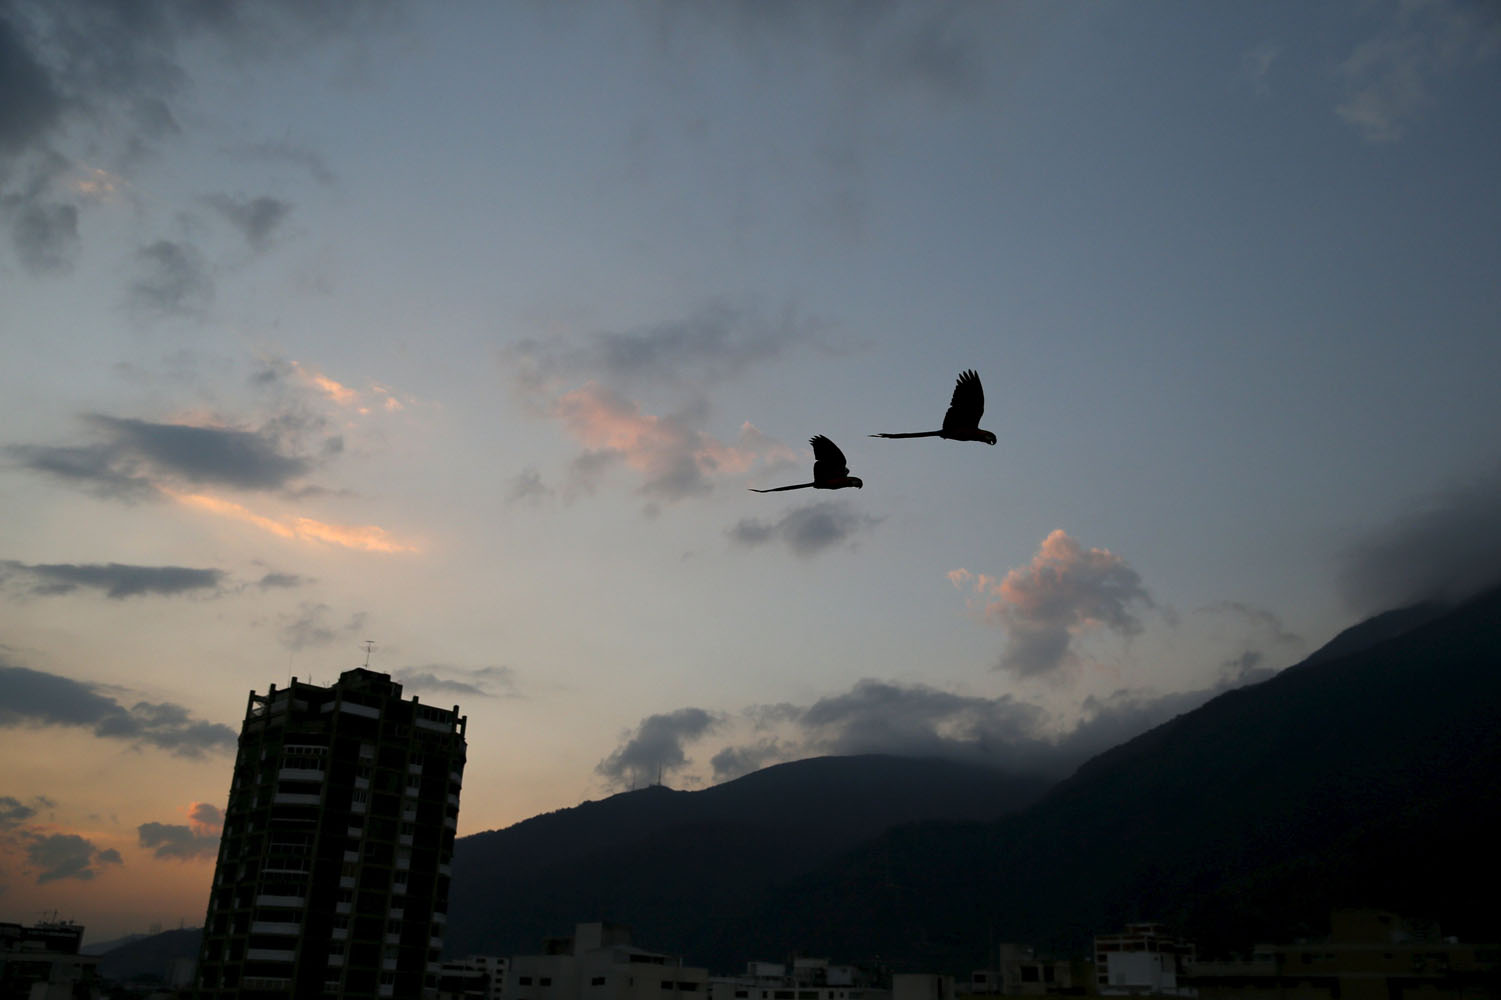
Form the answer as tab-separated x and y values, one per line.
335	960
266	984
275	927
296	799
269	954
344	908
346	881
364	710
414	769
452	822
352	856
290	902
393	939
339	934
299	774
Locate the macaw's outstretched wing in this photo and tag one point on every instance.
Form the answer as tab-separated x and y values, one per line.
828	460
968	404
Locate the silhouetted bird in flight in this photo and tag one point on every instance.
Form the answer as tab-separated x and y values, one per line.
830	471
962	422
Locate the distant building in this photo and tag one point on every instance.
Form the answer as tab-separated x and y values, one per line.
805	979
1021	973
599	962
42	962
476	977
1369	955
1144	958
333	870
922	986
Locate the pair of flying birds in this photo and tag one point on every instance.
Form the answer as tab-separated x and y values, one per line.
960	423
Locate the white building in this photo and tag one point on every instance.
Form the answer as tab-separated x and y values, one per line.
807	979
475	977
1144	958
599	963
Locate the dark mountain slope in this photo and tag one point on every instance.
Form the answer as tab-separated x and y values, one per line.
148	955
1364	778
681	867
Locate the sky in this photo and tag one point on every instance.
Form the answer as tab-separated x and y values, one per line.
464	329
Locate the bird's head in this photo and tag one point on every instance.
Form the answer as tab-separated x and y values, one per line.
857	482
987	437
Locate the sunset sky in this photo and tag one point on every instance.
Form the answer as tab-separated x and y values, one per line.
464	328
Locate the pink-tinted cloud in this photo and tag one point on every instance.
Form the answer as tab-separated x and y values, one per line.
674	459
366	537
1064	591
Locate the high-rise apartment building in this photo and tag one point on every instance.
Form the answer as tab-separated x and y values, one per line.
333	869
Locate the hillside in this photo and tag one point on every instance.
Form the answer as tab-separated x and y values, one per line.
680	867
1365	776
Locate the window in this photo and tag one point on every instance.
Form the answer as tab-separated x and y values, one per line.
525	980
597	981
545	981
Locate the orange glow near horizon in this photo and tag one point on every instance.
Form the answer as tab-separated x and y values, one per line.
365	537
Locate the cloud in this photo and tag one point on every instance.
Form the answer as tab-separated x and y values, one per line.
136	457
13	812
173	280
255	218
284	152
177	842
364	537
67	855
203	816
916	720
1256	63
579	382
1387	78
806	530
1065	591
674	459
1446	550
528	487
106	77
485	682
1255	630
115	579
716	342
45	234
310	626
655	749
36	698
280	581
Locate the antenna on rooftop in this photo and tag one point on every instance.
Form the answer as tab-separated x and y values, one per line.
369	648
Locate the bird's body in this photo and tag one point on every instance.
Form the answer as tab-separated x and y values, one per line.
830	470
962	421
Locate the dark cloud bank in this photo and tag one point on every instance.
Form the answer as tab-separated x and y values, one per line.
117	580
133	457
912	720
36	698
808	530
114	68
1444	551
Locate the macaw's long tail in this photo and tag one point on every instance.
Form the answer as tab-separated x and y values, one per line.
778	489
914	434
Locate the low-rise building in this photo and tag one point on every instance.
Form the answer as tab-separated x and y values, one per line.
41	962
599	962
475	977
804	979
1369	955
1143	959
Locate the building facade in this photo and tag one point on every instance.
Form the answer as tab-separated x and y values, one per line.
333	870
1144	958
41	962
